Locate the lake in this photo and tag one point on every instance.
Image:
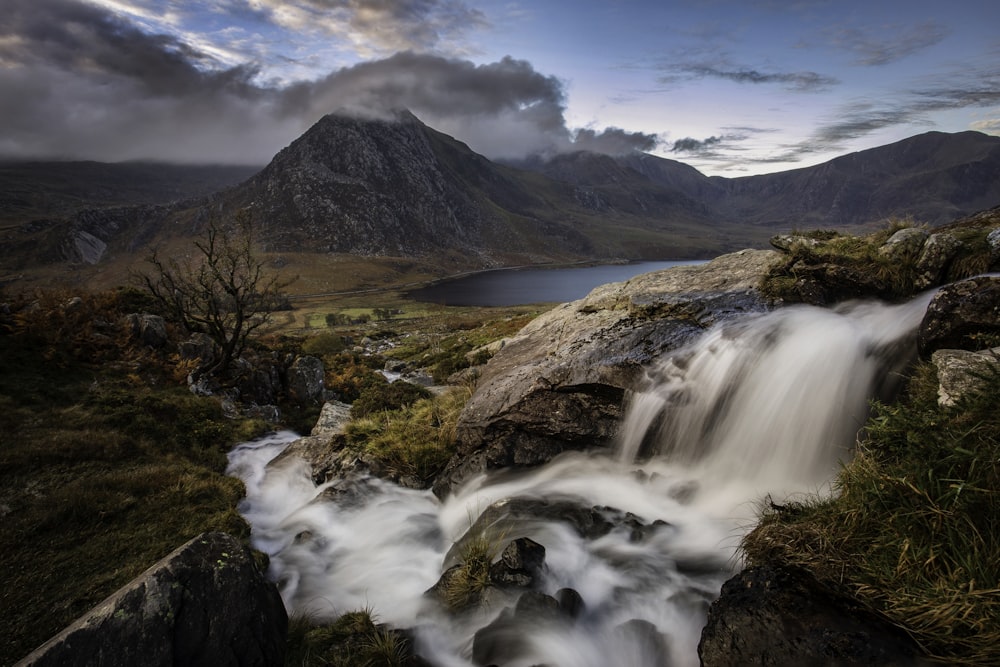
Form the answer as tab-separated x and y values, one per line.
515	287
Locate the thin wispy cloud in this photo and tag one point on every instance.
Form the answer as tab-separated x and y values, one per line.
796	81
886	44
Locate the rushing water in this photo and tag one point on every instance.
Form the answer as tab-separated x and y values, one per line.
766	405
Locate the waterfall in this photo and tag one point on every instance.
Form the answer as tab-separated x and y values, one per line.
765	405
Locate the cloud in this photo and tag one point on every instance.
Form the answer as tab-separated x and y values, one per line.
802	81
887	44
689	145
614	141
80	81
377	27
988	126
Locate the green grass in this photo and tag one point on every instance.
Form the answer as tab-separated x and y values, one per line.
914	530
415	441
352	640
106	465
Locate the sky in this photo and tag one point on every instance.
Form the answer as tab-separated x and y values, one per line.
732	88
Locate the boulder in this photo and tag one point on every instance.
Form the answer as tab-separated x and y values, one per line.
150	330
207	603
932	264
904	244
960	372
333	418
306	379
559	384
769	615
959	314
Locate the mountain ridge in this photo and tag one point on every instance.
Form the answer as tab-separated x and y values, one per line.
396	188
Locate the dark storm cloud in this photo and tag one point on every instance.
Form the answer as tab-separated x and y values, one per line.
887	44
689	145
79	82
614	141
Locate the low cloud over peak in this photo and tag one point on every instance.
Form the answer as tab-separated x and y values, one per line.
135	95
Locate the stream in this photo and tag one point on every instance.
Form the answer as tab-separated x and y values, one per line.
767	406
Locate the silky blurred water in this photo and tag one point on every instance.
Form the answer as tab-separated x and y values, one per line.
765	406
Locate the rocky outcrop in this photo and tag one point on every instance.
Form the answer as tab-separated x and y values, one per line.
306	380
960	315
785	618
559	384
207	603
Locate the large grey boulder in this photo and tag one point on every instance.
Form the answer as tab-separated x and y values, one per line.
960	314
559	384
207	603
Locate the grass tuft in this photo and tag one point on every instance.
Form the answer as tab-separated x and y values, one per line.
913	529
415	441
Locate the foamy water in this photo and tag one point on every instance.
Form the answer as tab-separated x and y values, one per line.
766	406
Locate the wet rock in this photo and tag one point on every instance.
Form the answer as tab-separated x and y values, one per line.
520	564
559	384
961	372
207	603
639	642
776	616
571	602
505	639
960	314
305	380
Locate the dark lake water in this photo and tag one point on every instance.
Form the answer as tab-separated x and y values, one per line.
515	287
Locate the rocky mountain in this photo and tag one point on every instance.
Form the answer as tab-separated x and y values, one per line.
399	188
933	177
395	188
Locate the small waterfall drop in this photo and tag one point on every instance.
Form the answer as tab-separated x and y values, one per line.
765	405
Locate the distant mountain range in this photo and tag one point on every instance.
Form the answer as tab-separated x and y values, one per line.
397	188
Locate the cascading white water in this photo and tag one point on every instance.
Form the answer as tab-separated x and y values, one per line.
767	405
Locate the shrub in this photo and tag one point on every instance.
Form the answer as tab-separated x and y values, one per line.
378	397
415	441
323	344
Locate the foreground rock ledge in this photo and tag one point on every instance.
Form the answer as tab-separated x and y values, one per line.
559	384
207	603
783	617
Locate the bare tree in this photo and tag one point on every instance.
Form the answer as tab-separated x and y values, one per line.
220	290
